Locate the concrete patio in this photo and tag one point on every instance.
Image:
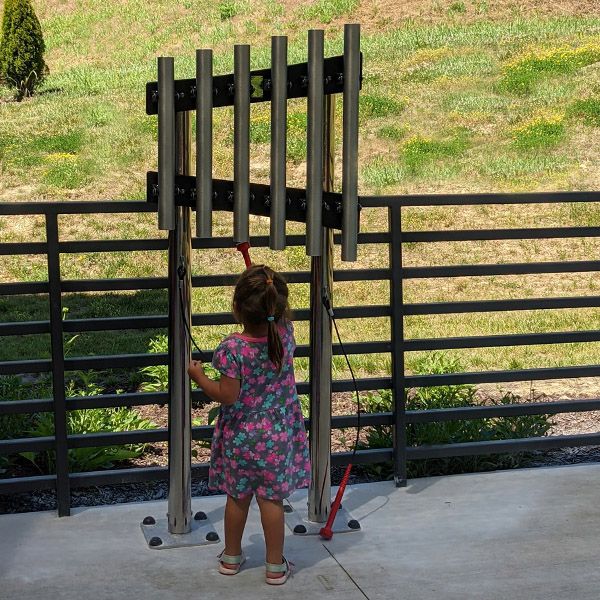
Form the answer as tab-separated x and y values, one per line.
523	534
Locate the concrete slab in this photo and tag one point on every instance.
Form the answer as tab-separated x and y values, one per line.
526	534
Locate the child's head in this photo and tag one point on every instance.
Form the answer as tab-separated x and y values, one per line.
261	296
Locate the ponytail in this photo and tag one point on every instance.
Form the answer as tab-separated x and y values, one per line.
274	345
261	295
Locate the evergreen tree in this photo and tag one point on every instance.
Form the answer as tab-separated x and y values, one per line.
22	48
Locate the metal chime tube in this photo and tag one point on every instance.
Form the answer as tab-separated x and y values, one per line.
279	48
204	108
314	143
350	142
179	514
166	143
241	143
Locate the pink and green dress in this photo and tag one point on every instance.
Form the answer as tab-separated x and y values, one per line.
259	445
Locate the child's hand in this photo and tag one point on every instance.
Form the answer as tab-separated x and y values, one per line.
195	369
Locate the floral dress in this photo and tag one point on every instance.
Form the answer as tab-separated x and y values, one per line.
259	445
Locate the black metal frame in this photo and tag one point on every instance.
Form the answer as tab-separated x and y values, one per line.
398	345
261	86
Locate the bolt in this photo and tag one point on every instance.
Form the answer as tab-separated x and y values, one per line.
155	190
304	81
155	541
149	521
328	79
200	516
212	536
155	96
299	529
288	509
231	89
180	95
266	84
230	197
354	524
193	91
267	200
340	78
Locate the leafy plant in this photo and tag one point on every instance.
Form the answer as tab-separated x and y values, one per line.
158	375
450	432
89	421
22	48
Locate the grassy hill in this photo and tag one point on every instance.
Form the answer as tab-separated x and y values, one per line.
458	96
449	88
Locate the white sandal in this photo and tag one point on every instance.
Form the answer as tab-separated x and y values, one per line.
285	567
236	563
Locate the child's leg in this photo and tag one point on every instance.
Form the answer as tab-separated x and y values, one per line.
271	515
236	513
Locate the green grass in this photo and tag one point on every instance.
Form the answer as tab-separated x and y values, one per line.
522	72
392	132
374	106
541	132
445	106
325	11
587	110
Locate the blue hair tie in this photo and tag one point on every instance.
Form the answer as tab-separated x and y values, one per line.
270	318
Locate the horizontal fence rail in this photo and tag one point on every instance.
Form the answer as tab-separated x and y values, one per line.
397	346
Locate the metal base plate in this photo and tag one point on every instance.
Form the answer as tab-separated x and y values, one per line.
298	521
158	537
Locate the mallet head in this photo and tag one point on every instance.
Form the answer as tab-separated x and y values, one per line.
244	247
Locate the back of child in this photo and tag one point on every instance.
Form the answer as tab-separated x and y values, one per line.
259	445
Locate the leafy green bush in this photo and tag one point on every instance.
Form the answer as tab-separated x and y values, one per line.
22	48
450	432
88	421
158	375
12	389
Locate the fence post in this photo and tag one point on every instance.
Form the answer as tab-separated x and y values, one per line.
319	495
397	332
63	491
180	427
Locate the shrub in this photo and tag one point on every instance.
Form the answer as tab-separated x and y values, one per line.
450	432
158	375
89	421
22	49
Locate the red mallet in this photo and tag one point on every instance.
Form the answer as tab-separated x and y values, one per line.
326	532
243	248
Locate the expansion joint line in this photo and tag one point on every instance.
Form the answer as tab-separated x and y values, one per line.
348	574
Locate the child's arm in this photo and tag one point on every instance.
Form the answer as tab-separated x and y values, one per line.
225	391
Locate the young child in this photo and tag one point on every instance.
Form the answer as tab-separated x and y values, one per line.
259	446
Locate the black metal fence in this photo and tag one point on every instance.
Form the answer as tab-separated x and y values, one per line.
62	481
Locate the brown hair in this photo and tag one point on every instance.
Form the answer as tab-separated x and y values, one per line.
261	296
